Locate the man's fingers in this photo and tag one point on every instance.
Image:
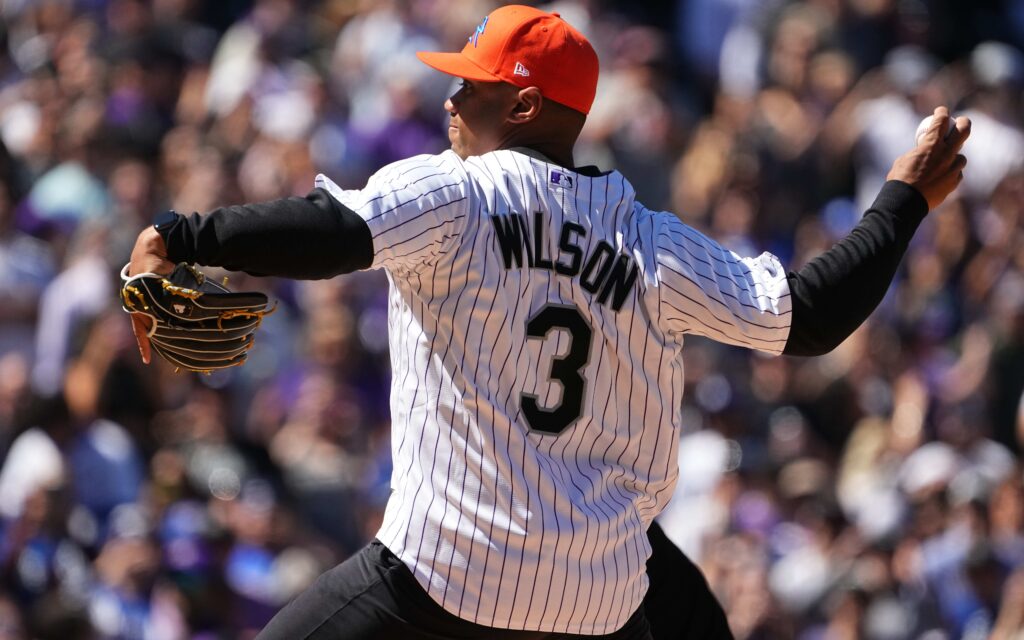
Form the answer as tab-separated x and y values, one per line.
962	130
940	124
955	175
140	326
935	167
149	254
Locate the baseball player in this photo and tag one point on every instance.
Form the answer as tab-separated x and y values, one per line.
537	314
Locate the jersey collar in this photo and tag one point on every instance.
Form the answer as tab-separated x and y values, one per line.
590	171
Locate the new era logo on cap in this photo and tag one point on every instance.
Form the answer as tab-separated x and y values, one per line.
520	70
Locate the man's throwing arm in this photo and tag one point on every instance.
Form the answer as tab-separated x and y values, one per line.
834	293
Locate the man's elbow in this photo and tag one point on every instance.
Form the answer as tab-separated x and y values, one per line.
810	346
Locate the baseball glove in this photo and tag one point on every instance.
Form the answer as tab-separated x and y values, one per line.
195	323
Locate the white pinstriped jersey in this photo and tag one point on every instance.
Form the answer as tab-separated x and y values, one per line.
536	323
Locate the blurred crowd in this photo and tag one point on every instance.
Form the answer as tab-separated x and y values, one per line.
875	492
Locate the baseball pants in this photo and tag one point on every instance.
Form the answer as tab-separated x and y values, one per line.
374	596
679	604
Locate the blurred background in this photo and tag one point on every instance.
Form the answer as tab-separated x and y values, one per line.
875	492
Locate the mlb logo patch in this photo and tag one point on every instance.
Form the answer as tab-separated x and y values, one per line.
560	179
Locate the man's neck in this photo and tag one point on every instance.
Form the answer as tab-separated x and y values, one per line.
589	170
546	157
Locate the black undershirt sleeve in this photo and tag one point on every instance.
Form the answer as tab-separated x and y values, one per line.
317	237
834	293
306	238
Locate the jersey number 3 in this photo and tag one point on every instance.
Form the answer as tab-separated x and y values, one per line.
565	370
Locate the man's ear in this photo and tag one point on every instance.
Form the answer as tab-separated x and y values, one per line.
528	105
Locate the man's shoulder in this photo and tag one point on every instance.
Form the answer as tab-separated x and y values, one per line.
641	211
491	163
664	229
446	163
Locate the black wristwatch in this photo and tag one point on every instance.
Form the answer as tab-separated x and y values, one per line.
164	221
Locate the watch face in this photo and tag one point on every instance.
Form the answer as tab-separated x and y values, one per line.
164	219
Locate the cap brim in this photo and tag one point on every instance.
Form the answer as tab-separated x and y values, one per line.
456	64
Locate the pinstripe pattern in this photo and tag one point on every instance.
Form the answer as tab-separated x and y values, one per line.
503	525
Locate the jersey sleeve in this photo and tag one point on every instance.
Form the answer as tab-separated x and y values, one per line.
414	208
705	289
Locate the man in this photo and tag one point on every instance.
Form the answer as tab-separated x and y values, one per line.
537	315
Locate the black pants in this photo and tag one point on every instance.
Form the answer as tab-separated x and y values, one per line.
373	595
679	604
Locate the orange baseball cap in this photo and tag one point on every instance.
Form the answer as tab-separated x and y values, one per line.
527	47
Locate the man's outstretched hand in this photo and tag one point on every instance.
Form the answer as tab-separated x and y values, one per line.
935	166
148	256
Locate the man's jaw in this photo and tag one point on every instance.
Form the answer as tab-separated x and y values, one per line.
454	140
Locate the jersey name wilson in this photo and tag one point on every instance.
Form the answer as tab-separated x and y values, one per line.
603	272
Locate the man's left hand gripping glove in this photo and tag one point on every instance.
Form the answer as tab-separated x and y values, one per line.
194	323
